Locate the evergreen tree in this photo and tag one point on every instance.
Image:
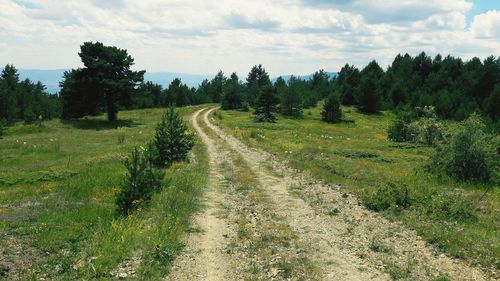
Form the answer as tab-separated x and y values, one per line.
257	79
331	109
290	97
143	180
369	92
216	87
265	105
320	84
106	77
8	93
232	97
172	139
347	82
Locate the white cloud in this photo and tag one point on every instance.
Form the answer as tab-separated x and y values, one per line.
291	36
486	25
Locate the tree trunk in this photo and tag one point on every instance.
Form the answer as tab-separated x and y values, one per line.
111	107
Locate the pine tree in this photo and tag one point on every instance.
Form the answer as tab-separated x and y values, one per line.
265	105
172	140
232	96
369	91
143	179
331	109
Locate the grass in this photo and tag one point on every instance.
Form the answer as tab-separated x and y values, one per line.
57	192
358	156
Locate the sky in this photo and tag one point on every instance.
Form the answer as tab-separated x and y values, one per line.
286	37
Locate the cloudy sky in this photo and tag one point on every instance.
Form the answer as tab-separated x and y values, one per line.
288	36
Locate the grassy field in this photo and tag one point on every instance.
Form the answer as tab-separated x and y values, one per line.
57	190
357	155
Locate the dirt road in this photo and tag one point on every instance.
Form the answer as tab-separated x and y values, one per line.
323	226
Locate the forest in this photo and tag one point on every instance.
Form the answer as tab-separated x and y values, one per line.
456	89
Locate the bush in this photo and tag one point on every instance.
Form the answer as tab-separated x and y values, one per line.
172	140
426	130
331	109
387	196
143	179
471	154
400	130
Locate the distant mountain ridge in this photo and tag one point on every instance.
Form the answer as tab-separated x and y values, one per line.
51	78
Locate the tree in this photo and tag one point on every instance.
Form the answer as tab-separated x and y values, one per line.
106	77
8	93
369	92
320	84
257	79
291	97
216	86
143	179
232	96
331	109
265	105
172	139
347	82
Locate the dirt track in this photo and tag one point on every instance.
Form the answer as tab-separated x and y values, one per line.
342	239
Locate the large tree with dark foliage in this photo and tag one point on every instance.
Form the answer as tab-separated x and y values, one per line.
106	82
331	109
232	97
291	96
257	79
265	105
370	92
347	82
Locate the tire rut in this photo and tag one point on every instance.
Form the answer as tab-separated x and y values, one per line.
205	256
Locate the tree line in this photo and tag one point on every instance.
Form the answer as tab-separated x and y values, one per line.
25	100
454	87
106	84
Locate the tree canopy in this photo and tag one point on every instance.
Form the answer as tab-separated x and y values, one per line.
106	82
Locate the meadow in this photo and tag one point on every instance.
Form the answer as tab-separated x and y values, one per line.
57	200
453	216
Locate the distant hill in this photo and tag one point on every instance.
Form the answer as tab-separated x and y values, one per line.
51	78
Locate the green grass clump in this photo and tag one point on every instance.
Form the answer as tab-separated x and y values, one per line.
448	213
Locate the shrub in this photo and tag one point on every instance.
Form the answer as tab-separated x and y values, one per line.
331	109
389	195
172	140
143	179
400	130
471	154
426	130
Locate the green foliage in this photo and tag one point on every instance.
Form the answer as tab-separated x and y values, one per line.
369	95
291	96
25	100
426	130
331	109
232	97
400	129
172	139
387	196
106	82
143	179
265	106
470	154
257	79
